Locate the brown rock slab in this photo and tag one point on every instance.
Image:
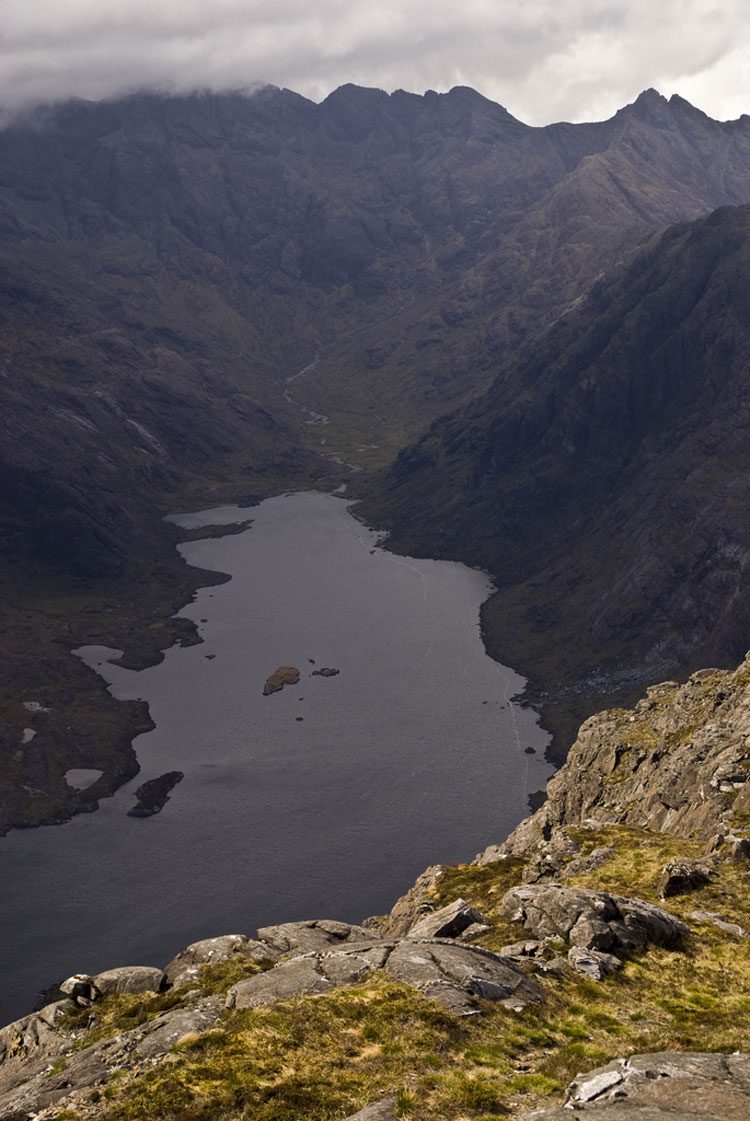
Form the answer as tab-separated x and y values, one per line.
284	675
679	760
153	795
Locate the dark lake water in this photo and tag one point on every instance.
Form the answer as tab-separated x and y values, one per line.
412	755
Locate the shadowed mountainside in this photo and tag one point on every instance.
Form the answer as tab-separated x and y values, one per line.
604	480
169	265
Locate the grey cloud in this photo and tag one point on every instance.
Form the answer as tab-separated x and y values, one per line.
544	60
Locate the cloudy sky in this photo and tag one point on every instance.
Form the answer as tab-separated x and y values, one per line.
545	60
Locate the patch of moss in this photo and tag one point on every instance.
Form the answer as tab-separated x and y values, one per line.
118	1012
220	976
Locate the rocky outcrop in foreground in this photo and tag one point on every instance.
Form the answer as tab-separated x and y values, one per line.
317	956
42	1062
671	1086
433	1011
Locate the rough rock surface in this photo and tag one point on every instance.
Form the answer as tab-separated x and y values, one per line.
315	972
678	762
129	979
184	969
80	988
449	922
592	920
26	1088
166	1030
453	974
593	963
384	1110
29	1044
315	934
666	1086
411	906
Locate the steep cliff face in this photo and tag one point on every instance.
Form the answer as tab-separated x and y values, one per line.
604	477
678	763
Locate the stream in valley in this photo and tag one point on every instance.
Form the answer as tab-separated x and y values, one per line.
324	800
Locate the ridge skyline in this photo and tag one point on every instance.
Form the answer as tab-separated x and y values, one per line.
27	113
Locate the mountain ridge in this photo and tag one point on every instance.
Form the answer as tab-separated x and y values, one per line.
169	263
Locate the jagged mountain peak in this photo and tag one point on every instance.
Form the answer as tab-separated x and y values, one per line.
650	96
650	107
361	108
350	91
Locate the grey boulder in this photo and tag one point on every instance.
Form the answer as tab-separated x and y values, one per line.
453	974
80	988
593	920
457	976
593	963
315	934
449	922
665	1086
84	990
185	968
384	1110
129	979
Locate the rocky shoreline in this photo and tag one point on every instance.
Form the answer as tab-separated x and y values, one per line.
537	931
